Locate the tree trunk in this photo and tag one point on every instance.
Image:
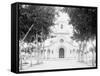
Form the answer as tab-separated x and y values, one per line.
86	58
31	59
86	53
93	57
37	49
79	56
20	60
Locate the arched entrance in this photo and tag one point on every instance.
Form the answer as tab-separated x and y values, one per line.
61	53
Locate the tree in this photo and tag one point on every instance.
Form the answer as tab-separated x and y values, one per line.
84	21
39	16
34	23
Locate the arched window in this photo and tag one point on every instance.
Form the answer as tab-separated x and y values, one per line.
61	40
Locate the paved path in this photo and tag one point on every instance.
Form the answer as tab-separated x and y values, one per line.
57	64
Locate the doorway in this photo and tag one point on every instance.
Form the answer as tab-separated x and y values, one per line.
61	53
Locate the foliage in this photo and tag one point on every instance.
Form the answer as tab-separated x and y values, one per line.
84	21
39	16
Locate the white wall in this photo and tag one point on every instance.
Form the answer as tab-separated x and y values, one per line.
5	52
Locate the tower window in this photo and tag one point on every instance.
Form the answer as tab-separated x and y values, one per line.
61	26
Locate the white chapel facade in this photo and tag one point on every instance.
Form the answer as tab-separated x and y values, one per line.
60	45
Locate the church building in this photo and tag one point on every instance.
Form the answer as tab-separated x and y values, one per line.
59	44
